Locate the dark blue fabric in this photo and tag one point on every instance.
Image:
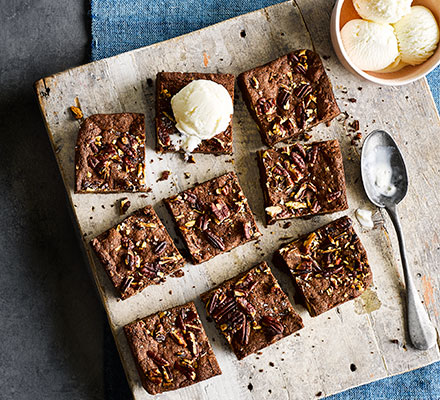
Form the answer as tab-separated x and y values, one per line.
122	25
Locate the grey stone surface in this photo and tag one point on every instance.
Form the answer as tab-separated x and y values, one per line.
52	325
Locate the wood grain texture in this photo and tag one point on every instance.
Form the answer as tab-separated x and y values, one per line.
362	332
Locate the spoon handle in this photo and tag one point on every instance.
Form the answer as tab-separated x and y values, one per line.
421	331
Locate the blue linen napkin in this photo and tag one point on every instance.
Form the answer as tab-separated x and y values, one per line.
123	25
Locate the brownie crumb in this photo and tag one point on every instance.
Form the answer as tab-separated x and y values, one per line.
124	205
272	364
243	33
318	394
164	176
353	367
355	125
352	100
287	225
250	387
178	274
76	112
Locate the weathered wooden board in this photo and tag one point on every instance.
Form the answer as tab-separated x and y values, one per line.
368	332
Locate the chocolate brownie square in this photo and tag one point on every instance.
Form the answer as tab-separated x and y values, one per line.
213	217
329	266
302	180
137	252
171	349
170	83
252	311
110	154
288	96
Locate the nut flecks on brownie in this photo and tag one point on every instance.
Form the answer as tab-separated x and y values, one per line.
213	217
302	180
110	154
170	83
252	311
288	96
329	266
171	349
137	252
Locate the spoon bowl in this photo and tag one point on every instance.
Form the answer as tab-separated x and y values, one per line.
380	149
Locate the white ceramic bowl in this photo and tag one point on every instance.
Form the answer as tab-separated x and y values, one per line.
344	11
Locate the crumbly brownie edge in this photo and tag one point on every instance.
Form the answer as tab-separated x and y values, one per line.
106	119
108	263
233	176
202	375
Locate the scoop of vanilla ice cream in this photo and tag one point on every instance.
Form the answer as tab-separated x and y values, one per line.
369	45
202	109
418	35
383	11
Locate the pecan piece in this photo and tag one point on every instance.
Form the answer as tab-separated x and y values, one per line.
300	116
126	284
333	196
166	374
283	99
130	261
178	338
299	195
76	112
203	222
124	206
155	376
244	333
93	147
288	125
192	343
266	106
302	91
150	269
298	161
161	362
333	270
273	327
315	207
160	248
93	162
192	199
223	309
125	148
247	307
299	68
299	148
313	154
187	369
214	240
247	230
213	303
220	210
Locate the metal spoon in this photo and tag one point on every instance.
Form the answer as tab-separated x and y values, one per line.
381	154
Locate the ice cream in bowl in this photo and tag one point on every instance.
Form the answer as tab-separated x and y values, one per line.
389	42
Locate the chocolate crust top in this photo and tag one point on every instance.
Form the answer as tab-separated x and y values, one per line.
110	154
302	180
288	96
137	252
329	266
251	311
171	349
213	217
